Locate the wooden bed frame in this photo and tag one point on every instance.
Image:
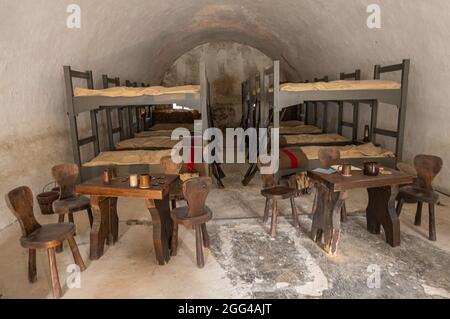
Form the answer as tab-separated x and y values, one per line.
95	104
373	97
397	97
120	116
134	121
281	100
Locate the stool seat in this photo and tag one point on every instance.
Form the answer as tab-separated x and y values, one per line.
419	194
71	205
48	236
180	215
279	192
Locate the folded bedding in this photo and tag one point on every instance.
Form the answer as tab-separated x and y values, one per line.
302	129
135	157
154	133
341	85
298	157
163	142
291	123
171	126
122	91
350	151
286	140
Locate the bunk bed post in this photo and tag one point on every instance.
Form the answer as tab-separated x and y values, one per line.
71	114
264	104
306	112
325	112
94	124
402	109
137	110
374	106
356	110
341	109
109	129
243	104
108	116
276	103
276	94
340	116
355	120
120	114
130	122
204	107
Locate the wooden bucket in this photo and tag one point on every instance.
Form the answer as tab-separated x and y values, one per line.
46	200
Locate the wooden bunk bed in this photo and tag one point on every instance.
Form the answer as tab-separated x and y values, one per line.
294	132
81	101
372	92
323	138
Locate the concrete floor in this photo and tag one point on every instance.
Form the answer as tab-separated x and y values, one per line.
244	261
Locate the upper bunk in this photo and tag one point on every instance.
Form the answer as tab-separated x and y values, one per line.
87	99
92	102
389	92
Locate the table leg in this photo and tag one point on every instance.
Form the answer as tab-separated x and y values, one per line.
113	230
381	211
162	227
326	225
100	226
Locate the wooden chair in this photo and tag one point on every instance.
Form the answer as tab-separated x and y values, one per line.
427	167
171	168
328	157
36	236
195	215
69	202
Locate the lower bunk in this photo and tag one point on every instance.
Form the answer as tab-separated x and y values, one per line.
295	160
135	162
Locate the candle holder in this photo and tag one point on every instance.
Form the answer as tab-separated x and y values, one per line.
134	181
144	181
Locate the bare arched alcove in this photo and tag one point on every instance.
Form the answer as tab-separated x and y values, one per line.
228	64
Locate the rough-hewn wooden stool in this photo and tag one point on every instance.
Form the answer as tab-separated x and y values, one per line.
36	236
275	194
195	215
69	202
427	167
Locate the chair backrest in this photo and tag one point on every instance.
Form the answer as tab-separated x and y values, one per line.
66	176
195	192
427	167
329	156
20	201
169	166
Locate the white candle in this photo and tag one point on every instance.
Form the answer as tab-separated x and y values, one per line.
133	181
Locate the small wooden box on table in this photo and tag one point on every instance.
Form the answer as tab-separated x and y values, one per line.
332	192
104	208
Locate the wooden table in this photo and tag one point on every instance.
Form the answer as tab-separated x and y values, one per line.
332	192
104	207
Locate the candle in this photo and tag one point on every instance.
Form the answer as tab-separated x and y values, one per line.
133	181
